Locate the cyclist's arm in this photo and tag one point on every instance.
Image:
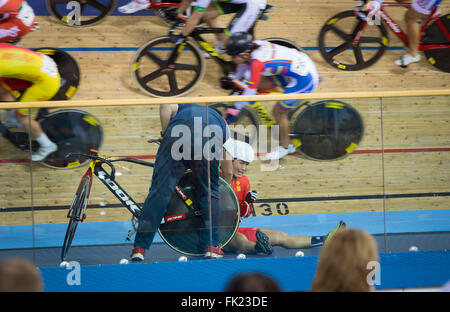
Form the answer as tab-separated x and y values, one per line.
166	112
256	69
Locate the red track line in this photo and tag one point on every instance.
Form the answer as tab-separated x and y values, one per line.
393	150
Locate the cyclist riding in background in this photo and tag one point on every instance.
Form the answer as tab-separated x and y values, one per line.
16	20
260	240
247	12
29	76
418	11
271	68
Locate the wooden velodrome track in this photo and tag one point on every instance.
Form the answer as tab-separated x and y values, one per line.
415	132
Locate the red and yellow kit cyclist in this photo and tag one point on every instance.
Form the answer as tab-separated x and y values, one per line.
251	240
29	76
16	19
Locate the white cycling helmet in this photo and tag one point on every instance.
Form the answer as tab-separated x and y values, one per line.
240	150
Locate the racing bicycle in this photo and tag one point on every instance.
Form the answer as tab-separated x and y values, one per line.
161	70
349	41
94	11
183	221
71	129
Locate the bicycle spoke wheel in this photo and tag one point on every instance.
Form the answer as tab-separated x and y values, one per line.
437	33
184	234
80	13
156	77
74	131
328	130
245	127
76	213
336	42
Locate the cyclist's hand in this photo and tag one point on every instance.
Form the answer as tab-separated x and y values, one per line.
238	84
245	210
226	83
177	39
251	197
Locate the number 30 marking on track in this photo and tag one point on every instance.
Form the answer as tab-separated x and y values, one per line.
281	208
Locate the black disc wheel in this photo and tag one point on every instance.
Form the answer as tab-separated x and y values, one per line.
337	46
74	131
438	33
157	76
69	72
184	226
327	130
78	13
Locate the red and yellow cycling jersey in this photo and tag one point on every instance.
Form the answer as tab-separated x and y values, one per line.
40	71
10	6
241	187
16	19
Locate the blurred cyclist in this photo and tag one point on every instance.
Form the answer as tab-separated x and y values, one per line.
29	76
272	68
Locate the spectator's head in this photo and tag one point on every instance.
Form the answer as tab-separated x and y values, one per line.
344	262
19	275
252	282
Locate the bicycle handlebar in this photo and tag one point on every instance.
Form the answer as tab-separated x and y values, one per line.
95	157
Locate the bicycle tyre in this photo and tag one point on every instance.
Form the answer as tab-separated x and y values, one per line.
439	58
284	42
76	213
99	10
74	131
338	56
246	117
327	130
169	15
184	235
153	57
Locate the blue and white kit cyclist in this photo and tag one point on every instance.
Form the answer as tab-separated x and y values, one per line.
272	68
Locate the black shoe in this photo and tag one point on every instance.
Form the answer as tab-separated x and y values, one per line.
263	245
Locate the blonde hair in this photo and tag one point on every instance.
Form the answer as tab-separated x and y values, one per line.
343	262
19	275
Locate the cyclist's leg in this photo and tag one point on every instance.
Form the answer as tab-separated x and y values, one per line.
240	244
166	176
418	11
294	83
278	238
244	19
412	16
211	17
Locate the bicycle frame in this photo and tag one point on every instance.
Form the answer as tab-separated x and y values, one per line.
397	30
108	179
95	168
